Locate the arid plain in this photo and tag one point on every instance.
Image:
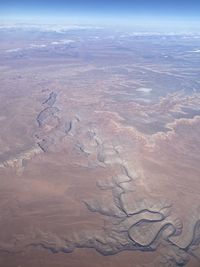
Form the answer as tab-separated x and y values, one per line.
99	148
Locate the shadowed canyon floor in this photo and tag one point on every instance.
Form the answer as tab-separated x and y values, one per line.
99	149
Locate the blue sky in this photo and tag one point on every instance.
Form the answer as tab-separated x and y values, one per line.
104	11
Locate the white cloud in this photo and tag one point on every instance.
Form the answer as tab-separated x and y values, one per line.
60	42
195	51
37	45
144	90
13	50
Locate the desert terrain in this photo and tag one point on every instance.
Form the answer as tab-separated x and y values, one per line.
99	148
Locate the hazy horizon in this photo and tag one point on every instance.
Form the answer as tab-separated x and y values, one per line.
170	15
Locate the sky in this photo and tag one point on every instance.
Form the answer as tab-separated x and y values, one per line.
127	12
